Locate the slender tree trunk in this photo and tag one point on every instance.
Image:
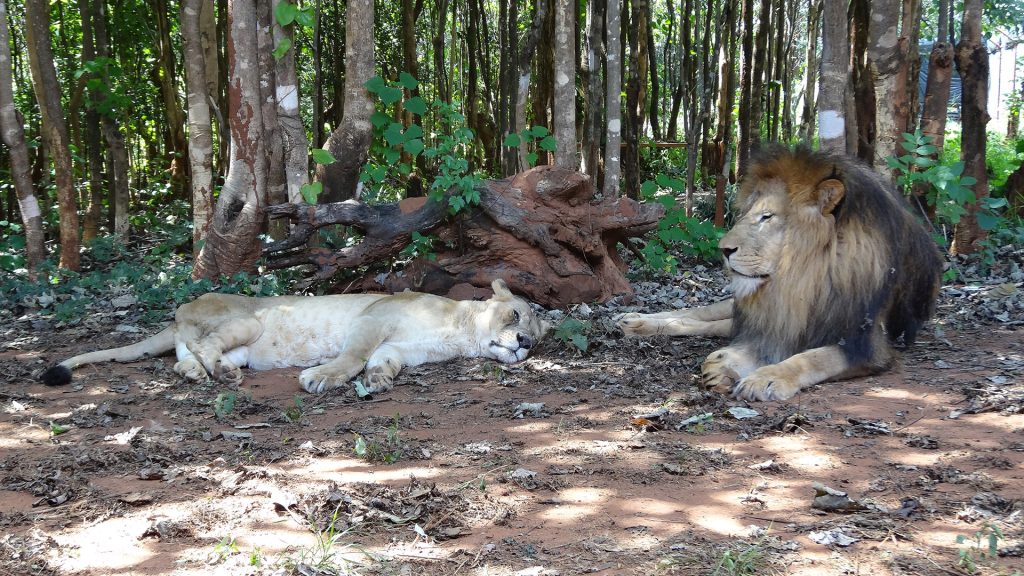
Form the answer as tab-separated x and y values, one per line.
726	98
613	102
564	116
861	96
886	66
200	129
972	64
521	87
596	56
544	86
232	245
273	141
48	91
652	69
350	142
441	80
93	144
807	126
293	133
936	94
118	153
746	87
758	79
634	104
835	59
169	91
14	137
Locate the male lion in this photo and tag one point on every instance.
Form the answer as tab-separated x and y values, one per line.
338	336
828	269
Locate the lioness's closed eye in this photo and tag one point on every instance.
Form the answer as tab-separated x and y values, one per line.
337	337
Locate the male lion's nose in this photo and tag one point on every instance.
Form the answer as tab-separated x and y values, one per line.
524	340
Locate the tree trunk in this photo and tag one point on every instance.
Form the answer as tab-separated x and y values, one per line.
936	94
273	141
564	117
652	72
596	57
887	55
200	149
93	143
726	97
118	153
807	126
746	84
232	245
13	133
613	102
972	64
861	97
48	91
169	90
293	133
521	87
758	78
633	124
835	58
542	231
350	142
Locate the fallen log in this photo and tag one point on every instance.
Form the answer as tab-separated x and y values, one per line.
542	231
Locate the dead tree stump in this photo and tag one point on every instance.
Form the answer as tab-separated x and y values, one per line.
542	231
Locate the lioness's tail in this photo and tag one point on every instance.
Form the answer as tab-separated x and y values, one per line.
157	344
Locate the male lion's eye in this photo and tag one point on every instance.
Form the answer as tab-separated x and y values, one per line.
765	216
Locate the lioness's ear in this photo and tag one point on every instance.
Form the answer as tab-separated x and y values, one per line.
501	291
829	193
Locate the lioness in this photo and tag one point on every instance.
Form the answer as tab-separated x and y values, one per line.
338	336
828	269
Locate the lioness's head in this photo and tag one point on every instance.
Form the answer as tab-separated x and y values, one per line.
786	216
510	325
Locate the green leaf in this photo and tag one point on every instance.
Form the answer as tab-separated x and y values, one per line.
306	17
380	119
285	13
375	85
360	447
389	95
321	156
414	147
407	81
310	191
512	140
648	189
57	429
539	131
988	221
413	132
394	135
404	169
548	144
416	105
580	341
392	155
531	159
282	48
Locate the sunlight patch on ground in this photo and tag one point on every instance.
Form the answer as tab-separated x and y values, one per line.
800	453
349	470
718	519
577	504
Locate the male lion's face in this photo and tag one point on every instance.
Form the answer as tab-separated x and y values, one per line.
510	326
751	250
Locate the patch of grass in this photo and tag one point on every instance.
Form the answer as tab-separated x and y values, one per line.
984	545
743	562
389	451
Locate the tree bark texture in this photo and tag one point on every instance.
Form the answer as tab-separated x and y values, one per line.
613	102
835	63
48	91
887	67
200	141
13	135
232	245
542	231
350	142
521	88
972	63
595	90
93	143
293	134
564	113
118	164
807	124
169	90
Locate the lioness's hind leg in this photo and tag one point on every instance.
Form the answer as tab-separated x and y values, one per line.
209	350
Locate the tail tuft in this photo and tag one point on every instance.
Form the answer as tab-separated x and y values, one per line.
56	376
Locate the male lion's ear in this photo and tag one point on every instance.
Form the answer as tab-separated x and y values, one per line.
829	193
501	291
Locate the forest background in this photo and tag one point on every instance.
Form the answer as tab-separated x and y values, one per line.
171	126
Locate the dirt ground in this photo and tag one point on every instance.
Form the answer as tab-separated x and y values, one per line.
610	462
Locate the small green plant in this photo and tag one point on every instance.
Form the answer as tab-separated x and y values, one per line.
984	547
535	138
740	562
574	332
224	404
420	246
389	451
676	231
294	412
222	550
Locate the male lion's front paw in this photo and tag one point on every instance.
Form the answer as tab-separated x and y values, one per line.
192	369
716	373
316	380
767	383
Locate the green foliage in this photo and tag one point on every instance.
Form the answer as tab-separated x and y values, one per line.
224	404
394	145
740	563
984	547
534	138
420	246
389	451
573	332
676	232
12	246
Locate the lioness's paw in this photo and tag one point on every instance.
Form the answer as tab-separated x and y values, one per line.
315	380
192	369
633	324
228	374
767	383
377	381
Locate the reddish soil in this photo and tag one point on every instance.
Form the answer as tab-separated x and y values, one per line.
928	452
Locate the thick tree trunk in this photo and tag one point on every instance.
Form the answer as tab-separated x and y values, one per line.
596	57
613	102
232	245
746	86
564	117
200	142
521	87
48	91
293	133
972	64
273	141
835	58
13	135
350	142
888	52
936	93
807	125
542	231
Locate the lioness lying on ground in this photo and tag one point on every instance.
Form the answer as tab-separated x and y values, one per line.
828	268
338	336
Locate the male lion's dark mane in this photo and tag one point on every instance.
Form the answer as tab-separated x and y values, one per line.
878	265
